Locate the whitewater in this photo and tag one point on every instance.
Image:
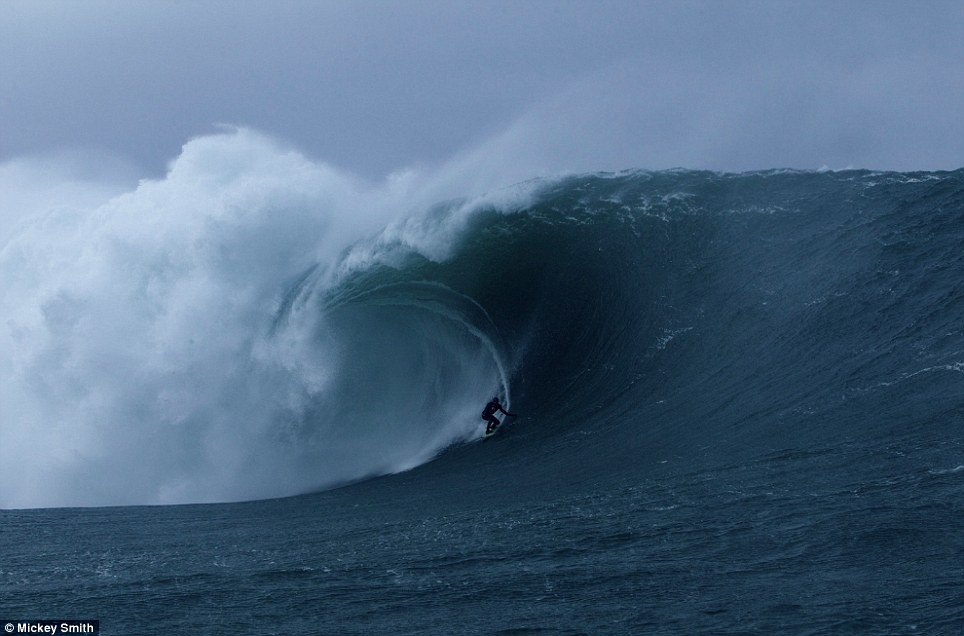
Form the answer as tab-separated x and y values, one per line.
245	397
150	362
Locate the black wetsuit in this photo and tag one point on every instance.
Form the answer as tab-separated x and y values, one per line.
488	414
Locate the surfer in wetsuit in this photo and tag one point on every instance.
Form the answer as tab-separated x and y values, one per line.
488	414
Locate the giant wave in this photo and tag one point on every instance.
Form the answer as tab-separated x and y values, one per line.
258	325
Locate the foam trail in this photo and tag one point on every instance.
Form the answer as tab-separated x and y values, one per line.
145	363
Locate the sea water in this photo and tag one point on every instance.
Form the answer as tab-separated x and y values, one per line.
246	400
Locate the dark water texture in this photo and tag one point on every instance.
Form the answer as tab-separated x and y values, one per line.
741	412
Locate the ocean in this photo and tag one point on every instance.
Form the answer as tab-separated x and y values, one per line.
740	406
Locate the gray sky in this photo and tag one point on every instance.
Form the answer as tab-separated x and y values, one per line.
375	87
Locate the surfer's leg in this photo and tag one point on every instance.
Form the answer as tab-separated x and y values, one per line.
493	422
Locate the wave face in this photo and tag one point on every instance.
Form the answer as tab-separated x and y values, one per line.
258	325
710	317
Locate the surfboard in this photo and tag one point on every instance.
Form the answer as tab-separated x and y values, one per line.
492	433
498	428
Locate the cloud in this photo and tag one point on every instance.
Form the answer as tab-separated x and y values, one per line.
545	86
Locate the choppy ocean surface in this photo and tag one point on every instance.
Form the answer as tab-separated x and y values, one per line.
741	403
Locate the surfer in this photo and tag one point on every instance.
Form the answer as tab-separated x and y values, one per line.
488	414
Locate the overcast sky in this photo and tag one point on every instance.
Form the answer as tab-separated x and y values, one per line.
376	87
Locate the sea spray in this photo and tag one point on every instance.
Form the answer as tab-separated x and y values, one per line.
145	361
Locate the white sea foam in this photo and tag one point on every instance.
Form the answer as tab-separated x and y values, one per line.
140	365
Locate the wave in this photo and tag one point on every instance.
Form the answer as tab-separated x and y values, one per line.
258	325
155	355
